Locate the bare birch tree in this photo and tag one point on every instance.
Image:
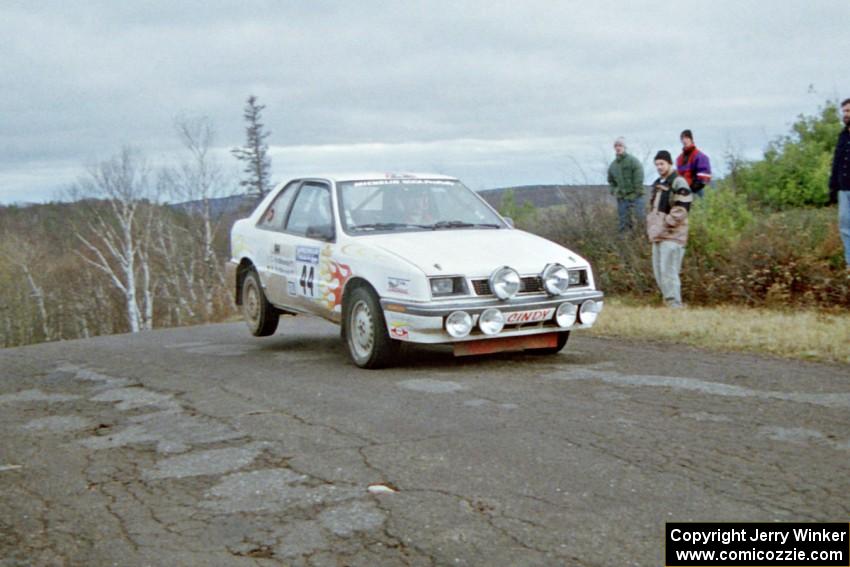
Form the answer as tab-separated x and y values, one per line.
176	285
198	180
115	235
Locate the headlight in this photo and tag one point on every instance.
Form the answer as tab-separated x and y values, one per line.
589	311
491	321
578	277
441	287
556	279
566	314
505	282
459	324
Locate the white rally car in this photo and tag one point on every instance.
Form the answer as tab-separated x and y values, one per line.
406	258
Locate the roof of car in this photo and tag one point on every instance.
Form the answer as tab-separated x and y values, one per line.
372	176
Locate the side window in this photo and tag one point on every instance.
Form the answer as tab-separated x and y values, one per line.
311	213
275	215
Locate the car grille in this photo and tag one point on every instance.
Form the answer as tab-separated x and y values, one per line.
528	284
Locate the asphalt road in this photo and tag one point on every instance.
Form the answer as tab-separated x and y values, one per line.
205	446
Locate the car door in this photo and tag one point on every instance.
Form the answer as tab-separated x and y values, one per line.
310	226
275	251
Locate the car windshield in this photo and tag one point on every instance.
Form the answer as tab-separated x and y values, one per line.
396	205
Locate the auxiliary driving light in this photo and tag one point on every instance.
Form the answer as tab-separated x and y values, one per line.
556	279
566	314
459	324
491	321
505	282
589	311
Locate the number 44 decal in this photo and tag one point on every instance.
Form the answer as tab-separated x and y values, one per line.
306	281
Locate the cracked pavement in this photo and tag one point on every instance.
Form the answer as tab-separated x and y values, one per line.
205	446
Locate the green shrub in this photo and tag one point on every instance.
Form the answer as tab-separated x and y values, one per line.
718	221
735	254
795	169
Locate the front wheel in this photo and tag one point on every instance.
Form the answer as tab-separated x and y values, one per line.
369	344
260	315
563	337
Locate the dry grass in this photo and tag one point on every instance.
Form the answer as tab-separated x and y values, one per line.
801	334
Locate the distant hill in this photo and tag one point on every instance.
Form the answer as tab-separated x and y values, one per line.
221	206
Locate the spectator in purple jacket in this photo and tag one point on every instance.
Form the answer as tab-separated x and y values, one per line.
693	165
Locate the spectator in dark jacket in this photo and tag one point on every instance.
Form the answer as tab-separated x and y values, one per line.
625	177
667	227
693	165
839	181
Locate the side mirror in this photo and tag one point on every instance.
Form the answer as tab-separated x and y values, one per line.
510	221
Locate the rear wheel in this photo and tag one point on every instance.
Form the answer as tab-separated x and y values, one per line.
365	331
562	341
260	315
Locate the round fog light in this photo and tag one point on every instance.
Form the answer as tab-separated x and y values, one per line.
556	279
566	314
491	321
505	282
589	311
459	324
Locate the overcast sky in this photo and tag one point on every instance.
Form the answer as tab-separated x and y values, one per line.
497	93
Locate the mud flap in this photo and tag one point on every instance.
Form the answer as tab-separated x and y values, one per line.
506	344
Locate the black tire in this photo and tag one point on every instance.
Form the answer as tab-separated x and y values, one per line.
260	315
365	330
562	342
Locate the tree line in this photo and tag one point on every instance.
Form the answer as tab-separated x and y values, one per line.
115	258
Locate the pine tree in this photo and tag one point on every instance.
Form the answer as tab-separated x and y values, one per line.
255	152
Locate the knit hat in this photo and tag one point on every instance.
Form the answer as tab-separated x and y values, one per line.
687	134
665	155
620	141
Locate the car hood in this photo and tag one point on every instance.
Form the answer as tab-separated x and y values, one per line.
473	252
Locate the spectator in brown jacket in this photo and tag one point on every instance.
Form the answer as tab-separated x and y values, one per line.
667	227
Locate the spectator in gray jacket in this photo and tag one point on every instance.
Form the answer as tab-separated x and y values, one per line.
625	177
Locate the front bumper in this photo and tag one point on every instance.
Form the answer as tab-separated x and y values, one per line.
425	322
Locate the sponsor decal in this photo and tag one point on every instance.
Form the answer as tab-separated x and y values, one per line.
284	266
533	316
307	255
399	330
398	285
291	288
